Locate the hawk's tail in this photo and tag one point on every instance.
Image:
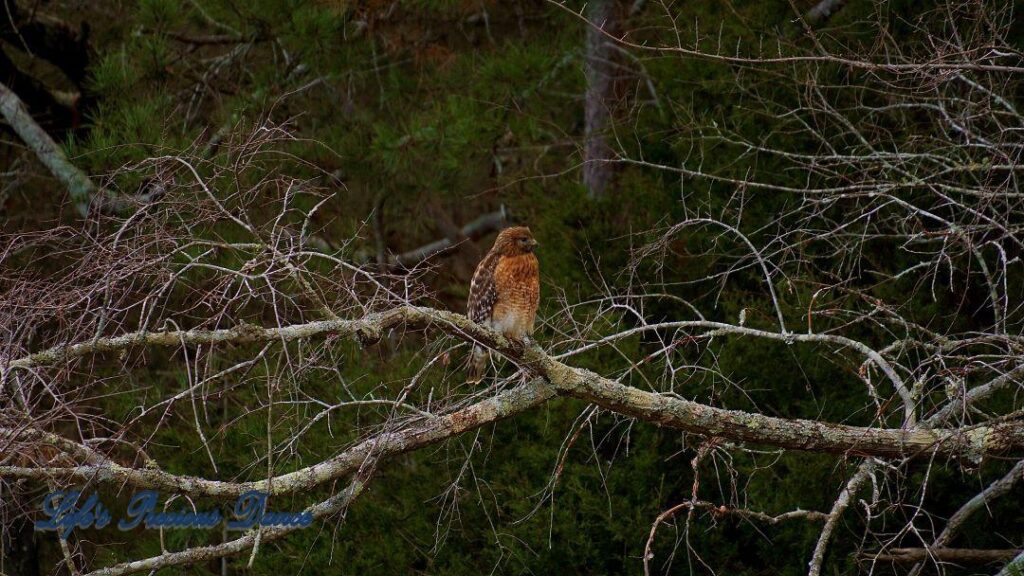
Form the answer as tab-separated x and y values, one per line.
477	365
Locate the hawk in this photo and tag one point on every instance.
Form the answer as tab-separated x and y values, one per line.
504	292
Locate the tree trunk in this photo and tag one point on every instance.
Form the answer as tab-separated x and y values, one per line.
597	172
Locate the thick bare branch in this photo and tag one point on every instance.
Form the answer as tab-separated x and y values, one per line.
79	186
952	555
415	435
796	434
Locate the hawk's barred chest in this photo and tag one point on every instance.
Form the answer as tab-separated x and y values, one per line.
505	292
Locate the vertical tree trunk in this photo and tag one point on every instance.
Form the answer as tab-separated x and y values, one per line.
597	173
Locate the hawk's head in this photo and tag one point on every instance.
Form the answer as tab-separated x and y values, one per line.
515	241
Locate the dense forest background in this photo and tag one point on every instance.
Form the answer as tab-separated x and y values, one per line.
424	120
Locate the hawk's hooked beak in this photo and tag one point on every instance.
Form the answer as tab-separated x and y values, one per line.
533	244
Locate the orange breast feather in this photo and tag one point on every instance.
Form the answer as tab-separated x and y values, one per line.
517	279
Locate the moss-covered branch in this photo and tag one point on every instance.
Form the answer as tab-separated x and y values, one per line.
735	425
416	435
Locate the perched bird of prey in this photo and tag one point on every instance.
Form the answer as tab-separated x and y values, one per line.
505	292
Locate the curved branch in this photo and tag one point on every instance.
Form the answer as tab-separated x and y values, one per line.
383	445
1005	437
754	251
721	328
795	434
333	505
999	488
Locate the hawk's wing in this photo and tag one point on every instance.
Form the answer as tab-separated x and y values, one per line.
483	291
483	295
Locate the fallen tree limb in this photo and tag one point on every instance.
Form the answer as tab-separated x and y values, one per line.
480	226
84	194
952	555
79	186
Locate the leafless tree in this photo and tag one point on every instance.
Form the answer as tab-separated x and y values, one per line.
915	151
916	155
